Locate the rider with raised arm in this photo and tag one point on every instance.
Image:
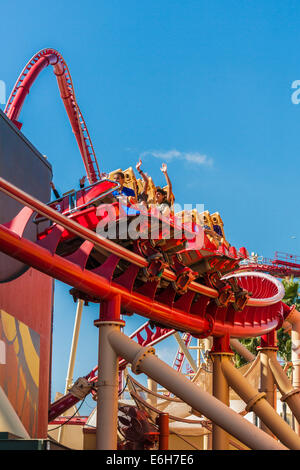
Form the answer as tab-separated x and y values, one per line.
55	192
164	199
142	196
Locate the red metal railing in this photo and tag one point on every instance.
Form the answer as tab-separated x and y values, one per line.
280	256
282	265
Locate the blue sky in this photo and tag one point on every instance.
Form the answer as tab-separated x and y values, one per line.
203	85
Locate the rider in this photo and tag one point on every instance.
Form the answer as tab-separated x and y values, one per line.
55	192
164	199
143	196
82	182
119	177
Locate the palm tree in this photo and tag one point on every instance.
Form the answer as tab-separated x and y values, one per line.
291	288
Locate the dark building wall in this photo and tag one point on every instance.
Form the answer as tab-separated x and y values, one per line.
23	165
26	295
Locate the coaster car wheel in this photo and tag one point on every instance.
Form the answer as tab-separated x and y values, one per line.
183	280
155	267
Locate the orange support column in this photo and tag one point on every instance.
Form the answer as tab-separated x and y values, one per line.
268	350
220	352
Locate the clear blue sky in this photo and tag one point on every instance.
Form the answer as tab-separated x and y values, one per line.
206	84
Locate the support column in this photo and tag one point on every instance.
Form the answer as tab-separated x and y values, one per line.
220	352
163	423
257	403
290	395
268	350
242	350
208	344
69	379
293	319
152	399
144	361
108	376
207	441
186	352
70	373
295	336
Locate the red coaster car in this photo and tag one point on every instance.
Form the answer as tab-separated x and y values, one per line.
190	250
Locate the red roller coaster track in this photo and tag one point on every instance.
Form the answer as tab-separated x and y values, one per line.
33	68
195	311
282	265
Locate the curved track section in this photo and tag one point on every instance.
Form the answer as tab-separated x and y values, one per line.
33	68
265	289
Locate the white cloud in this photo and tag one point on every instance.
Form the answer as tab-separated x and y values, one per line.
169	155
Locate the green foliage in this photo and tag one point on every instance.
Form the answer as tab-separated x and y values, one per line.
249	343
291	297
284	345
291	288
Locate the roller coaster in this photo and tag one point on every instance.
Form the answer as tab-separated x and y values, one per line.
180	273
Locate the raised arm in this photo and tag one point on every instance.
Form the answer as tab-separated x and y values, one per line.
82	181
170	196
143	175
55	192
